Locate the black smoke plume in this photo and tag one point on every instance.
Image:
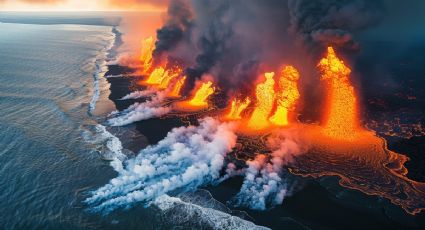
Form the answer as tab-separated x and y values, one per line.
237	40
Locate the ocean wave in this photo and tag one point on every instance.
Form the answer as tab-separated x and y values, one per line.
197	210
101	64
108	145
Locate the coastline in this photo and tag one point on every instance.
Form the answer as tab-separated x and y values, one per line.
327	189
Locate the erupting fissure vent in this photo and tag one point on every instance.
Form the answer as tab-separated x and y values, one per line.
341	119
148	45
264	105
237	107
175	91
287	95
200	99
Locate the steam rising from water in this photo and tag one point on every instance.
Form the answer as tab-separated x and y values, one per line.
140	111
266	181
189	157
186	158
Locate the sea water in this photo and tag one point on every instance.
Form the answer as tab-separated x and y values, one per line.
49	87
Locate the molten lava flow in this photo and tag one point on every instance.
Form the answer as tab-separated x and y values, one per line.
341	118
148	46
265	99
287	95
201	95
169	76
237	107
156	76
175	92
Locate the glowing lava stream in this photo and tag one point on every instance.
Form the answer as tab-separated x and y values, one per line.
148	45
175	91
169	76
201	95
287	95
357	156
236	108
264	105
341	119
156	77
200	98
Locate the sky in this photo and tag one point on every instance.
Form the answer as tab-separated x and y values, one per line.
83	5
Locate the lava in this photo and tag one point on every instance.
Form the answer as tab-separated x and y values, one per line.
287	95
236	108
168	76
175	91
199	99
148	45
201	95
363	164
341	120
265	96
156	77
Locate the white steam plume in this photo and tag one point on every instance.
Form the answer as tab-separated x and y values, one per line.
186	158
140	111
138	94
265	182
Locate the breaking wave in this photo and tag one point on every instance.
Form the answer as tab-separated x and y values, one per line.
197	210
100	71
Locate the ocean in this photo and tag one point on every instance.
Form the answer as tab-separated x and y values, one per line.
54	149
50	85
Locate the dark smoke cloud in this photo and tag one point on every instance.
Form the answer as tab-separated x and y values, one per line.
179	17
332	22
237	40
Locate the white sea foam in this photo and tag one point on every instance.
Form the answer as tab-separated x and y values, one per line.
96	90
194	216
100	71
108	145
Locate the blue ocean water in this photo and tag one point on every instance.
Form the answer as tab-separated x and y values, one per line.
46	86
53	148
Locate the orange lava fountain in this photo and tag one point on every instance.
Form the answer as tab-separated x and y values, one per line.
287	95
236	108
156	76
175	91
148	45
265	99
200	99
341	121
168	76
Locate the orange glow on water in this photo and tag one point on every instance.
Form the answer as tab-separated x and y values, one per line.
265	96
341	119
287	95
236	108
